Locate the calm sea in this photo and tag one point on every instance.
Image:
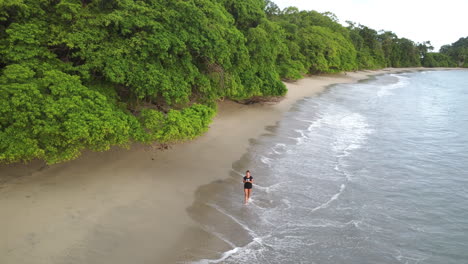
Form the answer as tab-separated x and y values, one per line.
373	172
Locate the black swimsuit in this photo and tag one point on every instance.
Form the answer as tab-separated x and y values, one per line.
248	183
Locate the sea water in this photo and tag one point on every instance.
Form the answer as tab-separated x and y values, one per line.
373	172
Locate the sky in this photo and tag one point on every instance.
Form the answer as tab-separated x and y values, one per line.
441	22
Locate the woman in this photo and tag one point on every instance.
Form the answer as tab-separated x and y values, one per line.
248	180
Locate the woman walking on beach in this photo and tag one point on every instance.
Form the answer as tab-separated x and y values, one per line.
248	180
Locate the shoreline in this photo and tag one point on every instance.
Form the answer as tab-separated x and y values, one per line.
124	206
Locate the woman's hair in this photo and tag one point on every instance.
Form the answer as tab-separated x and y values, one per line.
247	171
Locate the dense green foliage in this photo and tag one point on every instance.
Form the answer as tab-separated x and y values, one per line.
370	54
90	74
318	43
53	116
457	52
435	59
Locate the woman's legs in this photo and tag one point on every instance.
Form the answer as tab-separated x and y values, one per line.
246	195
249	193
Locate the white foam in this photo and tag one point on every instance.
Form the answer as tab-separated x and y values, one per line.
333	198
300	132
386	90
266	160
305	120
223	257
353	132
300	140
347	175
278	148
219	209
407	259
322	224
270	188
229	253
316	124
353	146
274	151
287	203
241	174
218	235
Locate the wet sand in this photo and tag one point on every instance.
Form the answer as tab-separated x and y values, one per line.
130	206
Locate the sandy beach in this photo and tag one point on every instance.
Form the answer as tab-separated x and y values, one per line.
130	206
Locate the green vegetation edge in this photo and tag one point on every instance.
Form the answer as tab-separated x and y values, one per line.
91	74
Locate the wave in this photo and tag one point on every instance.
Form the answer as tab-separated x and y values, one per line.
208	229
316	124
270	188
279	148
333	198
353	132
386	90
304	120
315	197
266	161
322	223
225	255
230	253
244	226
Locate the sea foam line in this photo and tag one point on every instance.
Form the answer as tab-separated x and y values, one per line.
223	257
218	235
385	90
305	120
229	253
266	161
277	147
272	187
241	174
301	139
333	198
328	224
219	209
354	131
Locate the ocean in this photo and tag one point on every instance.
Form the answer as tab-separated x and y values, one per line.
371	172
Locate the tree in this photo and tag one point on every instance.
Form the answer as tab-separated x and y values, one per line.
271	9
370	54
424	48
435	59
90	74
54	117
457	51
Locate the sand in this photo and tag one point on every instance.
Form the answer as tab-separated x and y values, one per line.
130	206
